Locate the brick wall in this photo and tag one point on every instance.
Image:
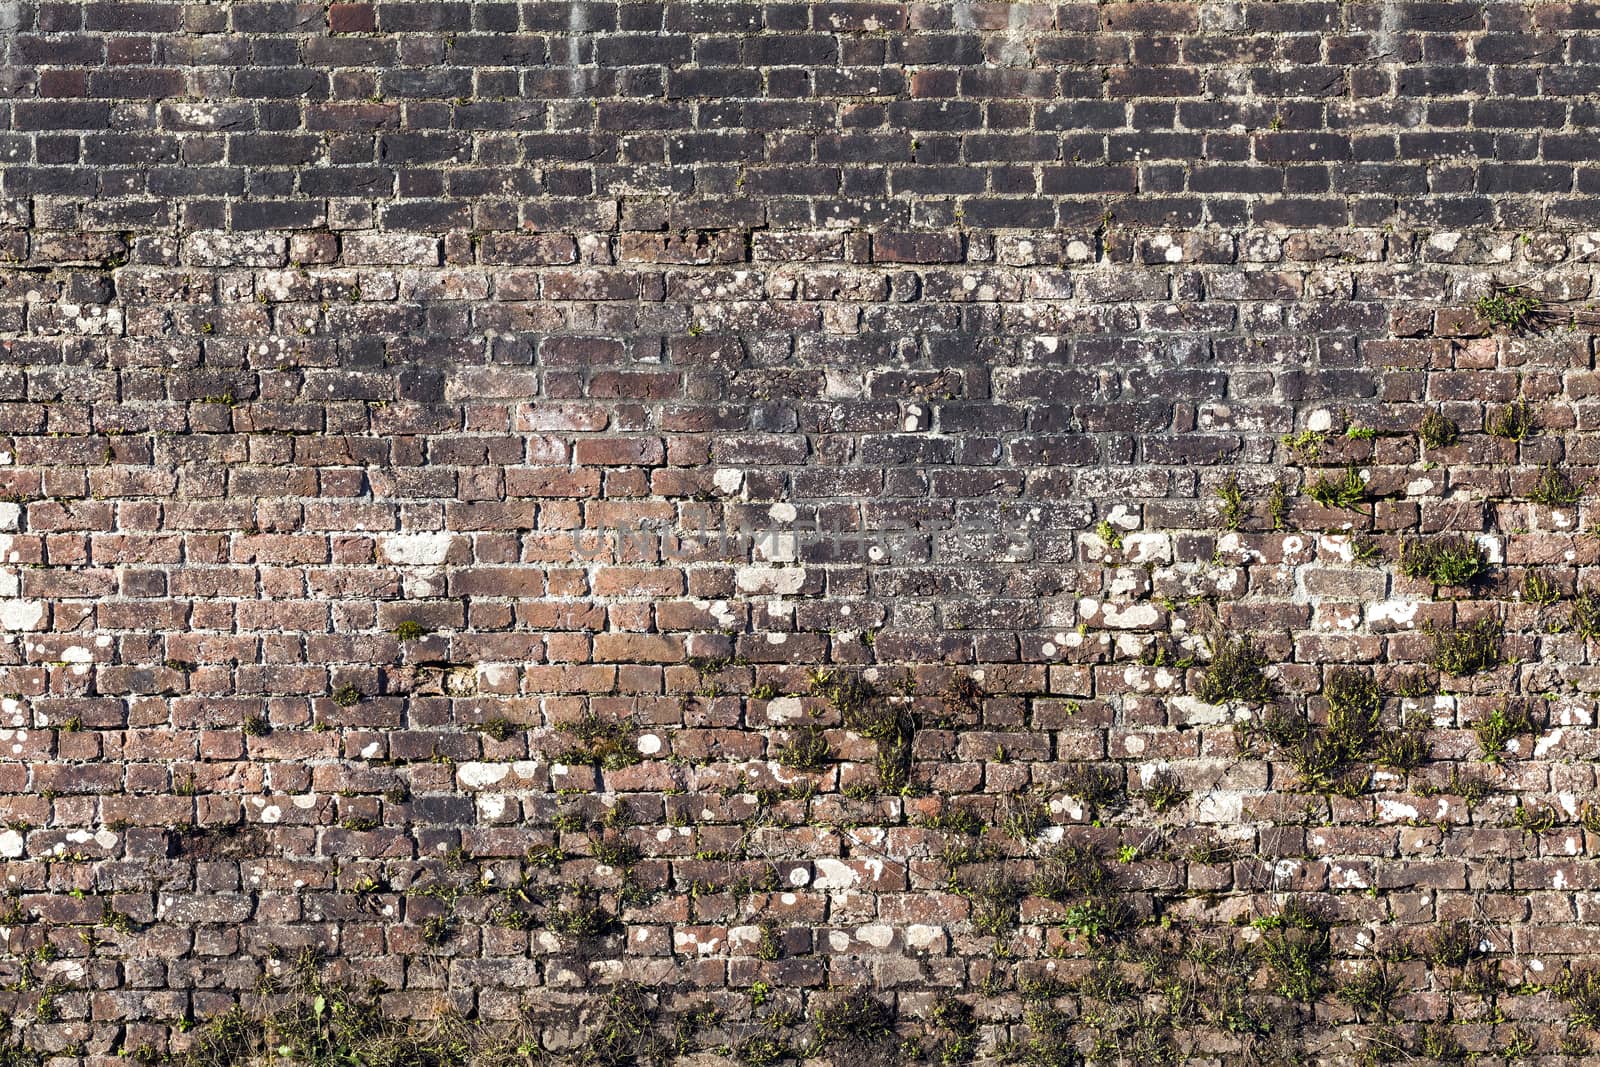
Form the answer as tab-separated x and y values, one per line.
606	532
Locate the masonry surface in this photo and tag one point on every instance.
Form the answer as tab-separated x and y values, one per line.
622	533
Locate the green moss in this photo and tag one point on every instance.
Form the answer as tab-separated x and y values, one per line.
498	729
410	630
1438	430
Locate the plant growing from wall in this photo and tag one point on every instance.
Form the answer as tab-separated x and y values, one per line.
1508	308
1438	430
1347	491
1236	674
1448	559
1466	650
1514	422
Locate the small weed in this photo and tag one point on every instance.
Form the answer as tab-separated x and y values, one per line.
1099	788
1452	944
1537	589
1024	818
1296	958
1235	674
1535	818
1234	510
993	902
607	742
1164	792
1413	685
1444	560
347	695
435	930
1371	990
1509	309
1071	871
769	946
869	714
1110	535
1519	1043
1438	430
255	726
1278	506
1499	726
805	750
961	698
1403	748
956	820
583	917
1585	618
1468	788
1305	446
1554	489
1468	649
616	851
1351	692
853	1029
1514	422
1438	1043
1347	491
1581	990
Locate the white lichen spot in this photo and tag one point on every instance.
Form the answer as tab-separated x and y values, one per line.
1395	811
878	935
781	581
834	874
481	775
416	549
